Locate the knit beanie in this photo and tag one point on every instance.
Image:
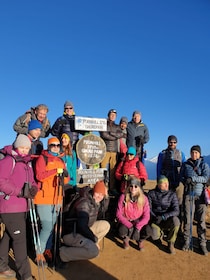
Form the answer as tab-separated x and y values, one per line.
34	124
162	179
136	113
196	148
100	187
135	181
124	119
132	151
68	104
53	140
112	111
22	141
172	138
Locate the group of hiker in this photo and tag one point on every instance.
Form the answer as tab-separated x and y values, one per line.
73	220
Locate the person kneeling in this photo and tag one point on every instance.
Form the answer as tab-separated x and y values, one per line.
133	213
82	231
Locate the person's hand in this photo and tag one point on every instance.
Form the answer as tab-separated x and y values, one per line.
32	192
65	173
160	219
142	182
126	177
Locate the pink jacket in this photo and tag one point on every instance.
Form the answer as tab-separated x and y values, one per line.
134	216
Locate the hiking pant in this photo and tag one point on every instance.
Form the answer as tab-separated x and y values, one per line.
47	215
111	160
171	226
78	247
195	205
128	232
16	233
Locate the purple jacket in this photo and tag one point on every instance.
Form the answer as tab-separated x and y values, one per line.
140	217
14	172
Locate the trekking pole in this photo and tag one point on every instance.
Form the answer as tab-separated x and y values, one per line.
191	217
36	239
58	209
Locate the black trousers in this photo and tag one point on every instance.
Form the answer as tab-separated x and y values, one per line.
16	234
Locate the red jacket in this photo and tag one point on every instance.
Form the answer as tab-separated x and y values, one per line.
130	167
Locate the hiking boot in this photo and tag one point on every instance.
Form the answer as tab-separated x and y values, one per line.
8	274
126	243
171	248
40	260
141	246
48	255
204	250
186	247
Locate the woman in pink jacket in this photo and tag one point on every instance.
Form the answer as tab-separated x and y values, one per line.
133	213
131	166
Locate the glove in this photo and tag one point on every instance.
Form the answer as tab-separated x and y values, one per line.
190	182
59	171
142	182
136	234
160	219
65	173
28	191
32	192
126	177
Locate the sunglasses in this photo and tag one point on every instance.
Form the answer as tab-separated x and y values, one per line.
133	186
130	154
172	142
55	145
68	108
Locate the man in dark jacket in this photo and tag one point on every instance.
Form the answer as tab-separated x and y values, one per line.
83	232
110	138
164	213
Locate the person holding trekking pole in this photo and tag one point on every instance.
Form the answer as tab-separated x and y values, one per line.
49	169
194	175
17	185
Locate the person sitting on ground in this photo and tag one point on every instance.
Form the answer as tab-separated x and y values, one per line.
35	113
194	175
130	166
81	239
164	208
133	213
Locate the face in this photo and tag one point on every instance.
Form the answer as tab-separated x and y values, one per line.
137	118
65	141
195	155
35	133
130	156
163	186
172	144
98	197
112	116
134	189
23	150
41	114
54	147
69	110
123	125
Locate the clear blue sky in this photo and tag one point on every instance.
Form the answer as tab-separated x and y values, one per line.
150	55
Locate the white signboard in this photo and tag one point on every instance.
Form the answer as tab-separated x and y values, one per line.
90	124
90	176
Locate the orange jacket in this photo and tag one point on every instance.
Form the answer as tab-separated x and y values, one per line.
51	191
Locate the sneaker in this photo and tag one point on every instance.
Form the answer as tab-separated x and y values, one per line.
40	260
186	247
126	243
171	248
141	246
48	255
204	250
8	274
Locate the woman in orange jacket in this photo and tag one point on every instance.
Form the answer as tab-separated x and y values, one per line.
50	171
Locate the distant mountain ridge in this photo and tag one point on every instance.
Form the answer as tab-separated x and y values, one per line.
151	165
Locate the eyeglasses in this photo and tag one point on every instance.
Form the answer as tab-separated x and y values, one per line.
172	142
68	108
133	186
55	145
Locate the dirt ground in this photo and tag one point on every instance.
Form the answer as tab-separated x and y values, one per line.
154	263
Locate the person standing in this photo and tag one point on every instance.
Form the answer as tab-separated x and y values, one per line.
164	209
133	213
38	113
137	134
16	177
122	141
194	175
34	132
111	137
50	169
